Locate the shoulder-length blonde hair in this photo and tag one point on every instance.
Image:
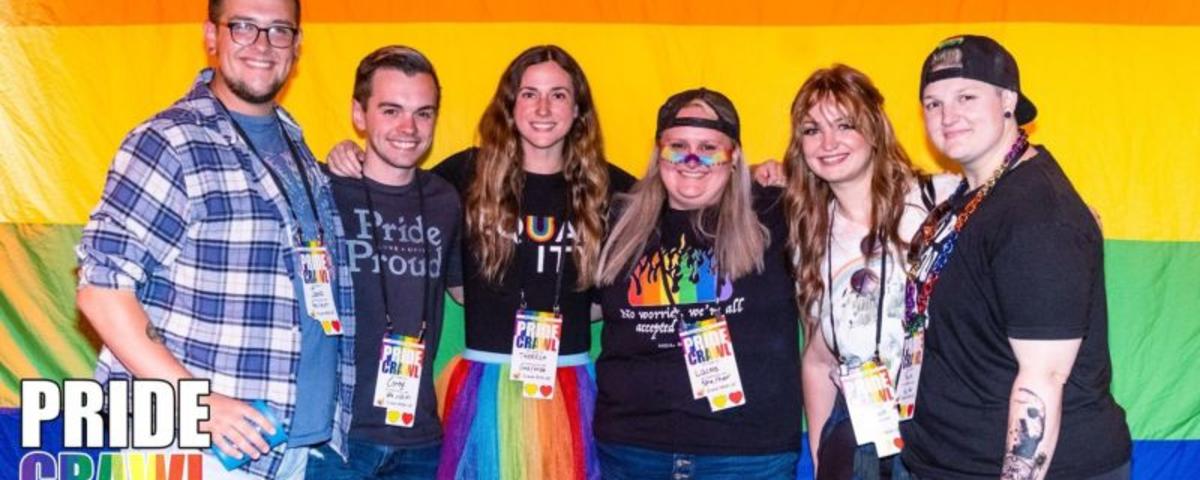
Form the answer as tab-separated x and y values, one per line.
738	238
808	197
494	194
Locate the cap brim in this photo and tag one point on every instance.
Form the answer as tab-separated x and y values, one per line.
1026	111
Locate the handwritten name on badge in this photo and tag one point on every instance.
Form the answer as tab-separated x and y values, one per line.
398	384
712	364
536	340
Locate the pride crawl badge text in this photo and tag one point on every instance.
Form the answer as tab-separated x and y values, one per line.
38	465
140	415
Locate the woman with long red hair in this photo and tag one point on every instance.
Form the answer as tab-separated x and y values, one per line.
854	201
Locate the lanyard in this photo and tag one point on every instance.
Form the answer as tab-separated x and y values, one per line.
559	267
300	170
383	275
935	256
829	289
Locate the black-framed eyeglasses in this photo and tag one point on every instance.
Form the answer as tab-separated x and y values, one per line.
278	36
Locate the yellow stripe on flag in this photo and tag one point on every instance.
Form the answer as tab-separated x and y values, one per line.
1118	103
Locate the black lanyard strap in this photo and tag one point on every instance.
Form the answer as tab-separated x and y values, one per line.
383	274
559	267
300	170
829	289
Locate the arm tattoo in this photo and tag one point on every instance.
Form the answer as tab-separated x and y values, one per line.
1023	461
152	333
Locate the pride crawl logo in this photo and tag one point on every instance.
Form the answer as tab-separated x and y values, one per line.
536	330
112	466
706	341
684	274
145	415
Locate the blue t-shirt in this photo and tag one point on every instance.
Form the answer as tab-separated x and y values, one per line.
316	377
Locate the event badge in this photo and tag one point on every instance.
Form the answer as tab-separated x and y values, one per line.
317	273
711	365
536	339
872	405
398	379
910	373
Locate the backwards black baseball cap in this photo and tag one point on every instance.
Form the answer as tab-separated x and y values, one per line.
979	58
727	117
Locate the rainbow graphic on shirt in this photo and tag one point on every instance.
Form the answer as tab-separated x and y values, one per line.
689	274
540	229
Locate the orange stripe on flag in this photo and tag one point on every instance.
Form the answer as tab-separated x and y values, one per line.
679	12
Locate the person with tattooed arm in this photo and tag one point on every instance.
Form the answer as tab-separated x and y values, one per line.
216	253
1006	321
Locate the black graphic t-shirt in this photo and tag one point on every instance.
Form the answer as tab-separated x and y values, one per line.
405	223
542	256
645	398
1028	265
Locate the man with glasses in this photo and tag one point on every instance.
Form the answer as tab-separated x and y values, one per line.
216	253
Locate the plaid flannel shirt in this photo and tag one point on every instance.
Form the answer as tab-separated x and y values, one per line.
192	222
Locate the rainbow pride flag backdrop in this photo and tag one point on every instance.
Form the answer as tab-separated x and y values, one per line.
1116	83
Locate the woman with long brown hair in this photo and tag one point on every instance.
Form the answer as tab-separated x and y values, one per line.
698	374
536	194
854	201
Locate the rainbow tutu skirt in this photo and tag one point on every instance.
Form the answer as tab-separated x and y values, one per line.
493	433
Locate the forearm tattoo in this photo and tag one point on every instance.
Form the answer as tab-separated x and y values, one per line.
152	333
1023	461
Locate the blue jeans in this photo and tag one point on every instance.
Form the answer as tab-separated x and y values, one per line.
623	462
374	461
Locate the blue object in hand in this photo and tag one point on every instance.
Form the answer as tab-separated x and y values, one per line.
275	440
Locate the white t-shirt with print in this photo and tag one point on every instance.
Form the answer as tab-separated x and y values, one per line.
856	314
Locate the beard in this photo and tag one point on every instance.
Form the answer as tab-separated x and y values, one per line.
245	93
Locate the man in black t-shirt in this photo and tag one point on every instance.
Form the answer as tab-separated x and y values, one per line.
402	225
1009	286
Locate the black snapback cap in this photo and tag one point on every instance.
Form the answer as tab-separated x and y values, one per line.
979	58
726	123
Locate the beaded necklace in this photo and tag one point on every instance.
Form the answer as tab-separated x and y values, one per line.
928	257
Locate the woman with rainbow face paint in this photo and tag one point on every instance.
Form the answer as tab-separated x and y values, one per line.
699	371
535	196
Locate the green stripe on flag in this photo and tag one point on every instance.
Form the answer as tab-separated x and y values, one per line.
1154	335
42	334
1153	298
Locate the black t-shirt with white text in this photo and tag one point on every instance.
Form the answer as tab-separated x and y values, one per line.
542	255
1029	265
405	223
645	398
